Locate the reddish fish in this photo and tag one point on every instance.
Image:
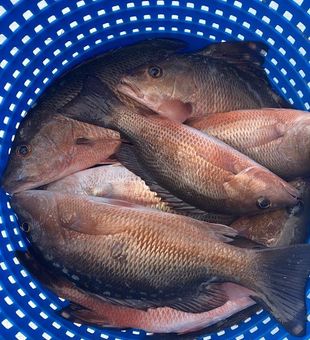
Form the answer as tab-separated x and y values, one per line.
225	76
108	249
115	181
279	139
196	168
54	147
90	309
281	227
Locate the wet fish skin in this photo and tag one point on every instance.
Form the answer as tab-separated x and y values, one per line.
116	182
109	67
52	148
65	96
276	138
68	96
110	181
157	320
198	168
281	227
189	256
193	85
91	309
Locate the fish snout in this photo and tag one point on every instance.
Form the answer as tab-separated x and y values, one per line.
16	183
292	193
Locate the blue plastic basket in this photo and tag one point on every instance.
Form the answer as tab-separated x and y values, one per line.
39	40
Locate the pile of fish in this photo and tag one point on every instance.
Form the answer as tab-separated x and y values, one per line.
166	190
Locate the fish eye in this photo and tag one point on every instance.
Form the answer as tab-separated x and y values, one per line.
23	150
25	227
263	203
155	71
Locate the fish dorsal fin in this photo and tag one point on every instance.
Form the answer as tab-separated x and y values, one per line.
211	297
202	302
249	56
127	156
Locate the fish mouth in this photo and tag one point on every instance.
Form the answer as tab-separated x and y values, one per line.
295	195
16	186
128	88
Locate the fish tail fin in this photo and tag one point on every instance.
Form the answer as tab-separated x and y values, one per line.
281	283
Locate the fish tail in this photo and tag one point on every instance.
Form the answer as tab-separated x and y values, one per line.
281	282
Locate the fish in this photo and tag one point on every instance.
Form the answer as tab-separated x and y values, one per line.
109	67
65	96
110	181
51	148
68	96
276	138
223	77
117	182
281	227
90	309
145	258
178	161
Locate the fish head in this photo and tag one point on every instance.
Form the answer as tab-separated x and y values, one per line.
255	190
40	157
166	87
36	211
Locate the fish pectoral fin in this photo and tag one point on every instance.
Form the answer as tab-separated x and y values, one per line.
219	232
237	180
212	297
85	141
109	161
267	134
127	156
243	242
84	226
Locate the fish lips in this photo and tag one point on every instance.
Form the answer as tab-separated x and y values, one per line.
15	185
293	192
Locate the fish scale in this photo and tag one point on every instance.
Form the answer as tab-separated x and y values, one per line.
195	167
223	77
275	138
226	81
163	259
